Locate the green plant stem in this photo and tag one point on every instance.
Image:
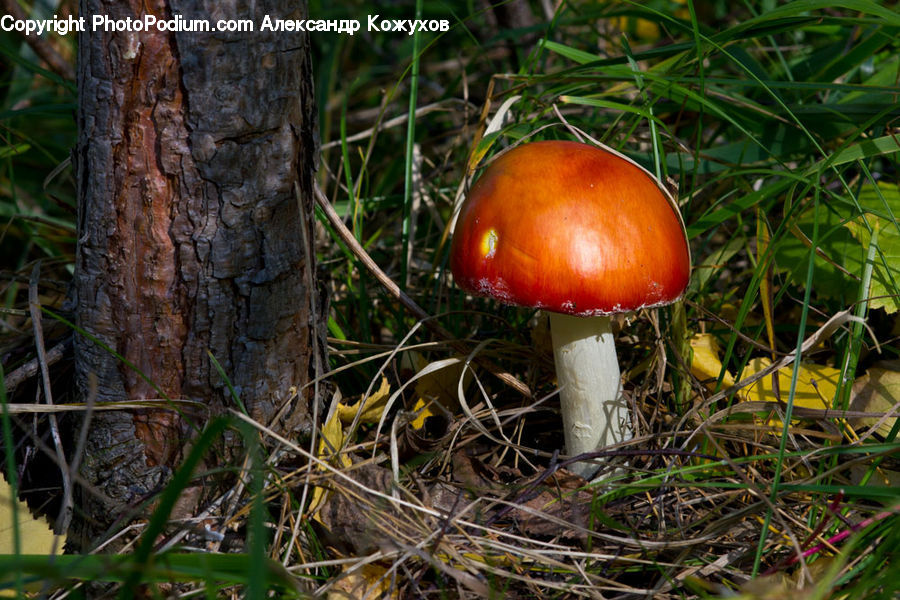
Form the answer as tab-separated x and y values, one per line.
405	242
795	374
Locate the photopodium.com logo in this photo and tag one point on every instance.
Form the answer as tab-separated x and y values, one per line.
177	23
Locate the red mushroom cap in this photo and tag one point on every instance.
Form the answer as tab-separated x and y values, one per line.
570	228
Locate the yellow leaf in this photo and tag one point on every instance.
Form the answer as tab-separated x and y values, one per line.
332	435
816	385
644	29
35	535
333	431
640	28
877	391
330	443
440	385
370	581
705	364
423	409
332	438
372	408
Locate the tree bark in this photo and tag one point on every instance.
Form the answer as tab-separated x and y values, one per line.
195	165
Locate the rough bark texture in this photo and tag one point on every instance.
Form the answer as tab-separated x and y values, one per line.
195	163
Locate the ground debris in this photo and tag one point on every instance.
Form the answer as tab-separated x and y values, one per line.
560	509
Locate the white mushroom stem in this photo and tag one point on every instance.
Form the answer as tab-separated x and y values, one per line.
593	409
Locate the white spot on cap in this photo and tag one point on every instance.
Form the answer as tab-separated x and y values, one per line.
489	243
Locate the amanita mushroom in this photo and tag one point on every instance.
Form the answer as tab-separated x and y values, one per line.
582	233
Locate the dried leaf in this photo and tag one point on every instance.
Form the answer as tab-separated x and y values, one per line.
706	365
330	443
778	586
473	474
489	135
860	475
332	439
35	534
643	29
423	409
372	408
878	391
436	386
369	581
443	384
359	523
816	385
332	435
564	499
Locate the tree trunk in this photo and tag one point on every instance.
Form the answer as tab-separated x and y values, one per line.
195	166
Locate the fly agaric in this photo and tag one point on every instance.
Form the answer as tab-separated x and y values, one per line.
582	233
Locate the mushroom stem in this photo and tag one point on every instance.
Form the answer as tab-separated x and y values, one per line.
593	409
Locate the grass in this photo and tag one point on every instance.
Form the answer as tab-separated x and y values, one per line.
777	125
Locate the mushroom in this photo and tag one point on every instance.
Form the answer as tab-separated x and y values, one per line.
582	233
